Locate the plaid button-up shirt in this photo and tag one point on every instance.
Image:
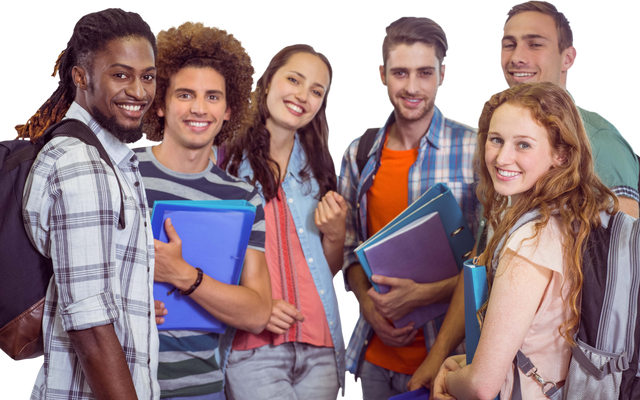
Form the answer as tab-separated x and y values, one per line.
445	156
102	274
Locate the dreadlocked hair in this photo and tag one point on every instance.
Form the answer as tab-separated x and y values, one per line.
571	191
254	143
91	35
196	46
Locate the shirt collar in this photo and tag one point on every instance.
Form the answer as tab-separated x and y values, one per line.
297	161
432	135
118	151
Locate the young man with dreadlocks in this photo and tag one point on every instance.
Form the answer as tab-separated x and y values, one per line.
100	336
204	85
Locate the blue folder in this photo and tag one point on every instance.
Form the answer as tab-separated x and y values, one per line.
418	394
475	295
214	235
437	199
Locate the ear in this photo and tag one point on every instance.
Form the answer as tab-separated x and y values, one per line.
568	58
79	77
160	112
227	114
559	158
380	74
383	75
444	73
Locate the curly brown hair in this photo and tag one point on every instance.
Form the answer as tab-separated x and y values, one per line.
194	45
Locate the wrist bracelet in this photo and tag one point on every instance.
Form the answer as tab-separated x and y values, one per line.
192	288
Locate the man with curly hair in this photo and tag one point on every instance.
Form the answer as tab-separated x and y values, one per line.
203	89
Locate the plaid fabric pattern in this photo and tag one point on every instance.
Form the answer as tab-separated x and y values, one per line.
445	156
102	275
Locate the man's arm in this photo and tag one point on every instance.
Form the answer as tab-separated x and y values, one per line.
330	218
628	206
103	362
246	306
449	337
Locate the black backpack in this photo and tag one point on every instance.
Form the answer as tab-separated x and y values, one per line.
24	272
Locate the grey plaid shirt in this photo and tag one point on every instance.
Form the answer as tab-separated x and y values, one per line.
102	275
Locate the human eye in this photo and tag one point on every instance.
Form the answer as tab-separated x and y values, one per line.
524	145
184	96
495	140
426	73
293	80
148	77
317	93
120	75
508	45
214	97
399	73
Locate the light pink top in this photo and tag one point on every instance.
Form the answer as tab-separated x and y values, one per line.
548	351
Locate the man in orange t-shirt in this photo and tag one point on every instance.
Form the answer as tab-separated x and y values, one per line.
416	149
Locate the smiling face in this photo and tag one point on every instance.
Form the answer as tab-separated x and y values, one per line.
120	87
296	92
530	51
413	75
517	151
195	108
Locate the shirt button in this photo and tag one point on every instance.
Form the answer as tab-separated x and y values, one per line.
373	177
149	314
330	322
310	260
358	205
322	292
148	269
136	184
300	230
366	342
148	361
290	200
145	224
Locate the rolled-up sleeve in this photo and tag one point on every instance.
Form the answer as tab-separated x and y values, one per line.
69	214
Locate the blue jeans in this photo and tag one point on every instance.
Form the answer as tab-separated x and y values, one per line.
288	371
379	383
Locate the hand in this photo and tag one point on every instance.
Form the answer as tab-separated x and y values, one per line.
439	391
399	301
426	373
331	216
160	312
170	267
283	315
385	331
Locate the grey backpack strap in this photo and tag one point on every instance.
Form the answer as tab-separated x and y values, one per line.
526	218
364	147
548	388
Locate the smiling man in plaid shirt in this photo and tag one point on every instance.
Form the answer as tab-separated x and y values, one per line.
417	148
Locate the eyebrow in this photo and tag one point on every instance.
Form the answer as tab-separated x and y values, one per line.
525	37
130	68
304	77
191	91
515	137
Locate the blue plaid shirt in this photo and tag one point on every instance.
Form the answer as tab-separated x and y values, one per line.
445	156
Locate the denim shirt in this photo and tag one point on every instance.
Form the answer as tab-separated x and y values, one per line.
302	204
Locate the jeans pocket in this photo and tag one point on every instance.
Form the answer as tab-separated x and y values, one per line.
238	358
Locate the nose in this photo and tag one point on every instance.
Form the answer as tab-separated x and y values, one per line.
519	55
136	89
505	156
198	106
303	94
412	84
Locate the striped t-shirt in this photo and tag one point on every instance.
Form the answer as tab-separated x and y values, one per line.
189	363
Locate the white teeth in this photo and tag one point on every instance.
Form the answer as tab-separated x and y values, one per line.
294	107
130	108
523	74
412	100
507	173
197	124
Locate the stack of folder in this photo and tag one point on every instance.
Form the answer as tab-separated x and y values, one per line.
427	242
214	235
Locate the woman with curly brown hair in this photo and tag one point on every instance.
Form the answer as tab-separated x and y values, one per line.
284	153
532	147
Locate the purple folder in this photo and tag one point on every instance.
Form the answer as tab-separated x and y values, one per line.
420	251
418	394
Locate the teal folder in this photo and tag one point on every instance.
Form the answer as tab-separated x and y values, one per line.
214	235
437	199
475	295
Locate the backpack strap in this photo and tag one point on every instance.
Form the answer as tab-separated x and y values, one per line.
548	388
77	129
364	147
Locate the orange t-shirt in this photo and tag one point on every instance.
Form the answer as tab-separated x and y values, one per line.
291	281
388	197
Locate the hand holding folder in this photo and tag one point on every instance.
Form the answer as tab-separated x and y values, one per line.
214	237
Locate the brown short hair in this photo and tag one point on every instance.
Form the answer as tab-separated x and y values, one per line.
565	36
410	30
